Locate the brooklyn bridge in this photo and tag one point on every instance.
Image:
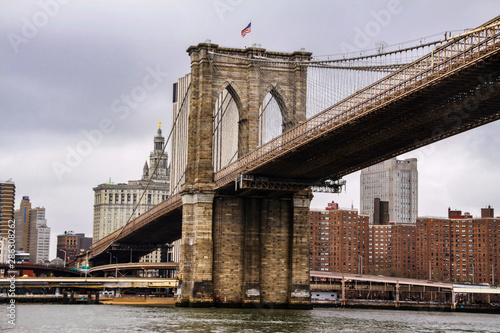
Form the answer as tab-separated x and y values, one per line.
256	132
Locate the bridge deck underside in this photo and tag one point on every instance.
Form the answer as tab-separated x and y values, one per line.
439	110
161	230
164	229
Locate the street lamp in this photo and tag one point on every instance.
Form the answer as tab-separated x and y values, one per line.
110	257
116	267
64	264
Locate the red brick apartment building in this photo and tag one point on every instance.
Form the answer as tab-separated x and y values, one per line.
391	250
338	240
459	248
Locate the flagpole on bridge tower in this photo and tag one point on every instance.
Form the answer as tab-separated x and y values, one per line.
246	31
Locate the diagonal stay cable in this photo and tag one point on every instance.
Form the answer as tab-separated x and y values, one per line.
156	165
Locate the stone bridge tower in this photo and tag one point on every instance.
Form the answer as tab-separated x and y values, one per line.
242	250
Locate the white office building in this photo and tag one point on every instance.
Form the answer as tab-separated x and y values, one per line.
394	181
117	204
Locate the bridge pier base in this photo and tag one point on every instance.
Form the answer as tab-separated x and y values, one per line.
197	250
261	252
245	252
300	291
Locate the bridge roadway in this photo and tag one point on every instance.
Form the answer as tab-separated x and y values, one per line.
134	282
452	90
133	266
90	282
38	270
159	225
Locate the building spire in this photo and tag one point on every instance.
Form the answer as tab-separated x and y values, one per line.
158	159
159	140
145	171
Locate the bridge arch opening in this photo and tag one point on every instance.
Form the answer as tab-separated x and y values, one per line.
225	133
272	113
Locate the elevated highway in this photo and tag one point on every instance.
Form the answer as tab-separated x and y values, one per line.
38	270
368	287
125	269
90	282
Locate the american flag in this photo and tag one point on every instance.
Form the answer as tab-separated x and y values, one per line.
247	30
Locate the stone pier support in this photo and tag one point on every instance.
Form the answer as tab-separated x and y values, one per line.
197	250
299	260
261	252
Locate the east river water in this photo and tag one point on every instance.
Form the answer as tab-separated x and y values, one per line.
121	318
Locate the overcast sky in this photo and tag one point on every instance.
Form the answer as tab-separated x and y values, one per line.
65	125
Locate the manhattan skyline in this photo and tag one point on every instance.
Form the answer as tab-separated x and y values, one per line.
85	86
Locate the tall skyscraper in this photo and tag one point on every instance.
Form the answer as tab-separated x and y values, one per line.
393	181
180	117
39	243
116	204
158	170
22	216
7	196
32	232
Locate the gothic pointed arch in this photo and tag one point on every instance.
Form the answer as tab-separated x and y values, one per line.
275	114
226	130
235	93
